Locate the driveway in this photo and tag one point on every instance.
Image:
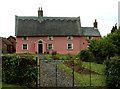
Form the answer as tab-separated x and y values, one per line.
50	78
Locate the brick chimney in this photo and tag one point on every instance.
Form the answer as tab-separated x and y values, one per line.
95	24
40	12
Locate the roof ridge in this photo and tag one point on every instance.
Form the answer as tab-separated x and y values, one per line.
47	18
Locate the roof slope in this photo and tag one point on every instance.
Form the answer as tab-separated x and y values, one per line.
52	26
7	42
47	26
90	31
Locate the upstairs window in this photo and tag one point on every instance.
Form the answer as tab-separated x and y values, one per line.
69	37
69	46
24	38
25	46
50	37
89	37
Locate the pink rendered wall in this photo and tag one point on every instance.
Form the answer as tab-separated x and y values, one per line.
59	44
84	42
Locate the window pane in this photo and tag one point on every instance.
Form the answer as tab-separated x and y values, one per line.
89	37
24	46
40	42
70	46
50	37
24	38
50	46
70	37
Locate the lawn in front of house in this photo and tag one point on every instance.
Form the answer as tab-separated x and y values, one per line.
84	79
99	68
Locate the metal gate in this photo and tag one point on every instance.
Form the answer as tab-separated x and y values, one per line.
52	75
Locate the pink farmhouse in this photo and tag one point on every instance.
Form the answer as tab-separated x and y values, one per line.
40	34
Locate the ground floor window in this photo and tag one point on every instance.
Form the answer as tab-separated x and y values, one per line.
50	46
69	46
25	46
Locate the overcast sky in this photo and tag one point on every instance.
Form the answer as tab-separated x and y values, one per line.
105	11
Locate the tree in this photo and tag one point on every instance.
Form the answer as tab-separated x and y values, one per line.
102	49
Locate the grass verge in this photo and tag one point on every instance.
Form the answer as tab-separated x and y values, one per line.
11	86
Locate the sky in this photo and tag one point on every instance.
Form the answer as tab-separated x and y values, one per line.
105	11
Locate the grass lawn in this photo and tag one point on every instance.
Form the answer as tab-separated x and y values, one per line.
84	79
99	68
11	86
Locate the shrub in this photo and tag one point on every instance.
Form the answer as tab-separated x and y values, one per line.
19	70
113	73
85	55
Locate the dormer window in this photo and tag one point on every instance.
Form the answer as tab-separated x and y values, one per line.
50	37
24	38
69	37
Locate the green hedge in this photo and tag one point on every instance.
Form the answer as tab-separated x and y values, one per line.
19	69
113	73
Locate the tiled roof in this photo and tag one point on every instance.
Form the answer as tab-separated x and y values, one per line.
90	31
51	26
7	42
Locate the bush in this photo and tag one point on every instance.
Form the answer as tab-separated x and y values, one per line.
86	56
113	73
18	70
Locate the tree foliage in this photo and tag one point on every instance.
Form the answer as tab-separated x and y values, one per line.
112	73
106	47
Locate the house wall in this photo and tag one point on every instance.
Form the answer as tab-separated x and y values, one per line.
59	44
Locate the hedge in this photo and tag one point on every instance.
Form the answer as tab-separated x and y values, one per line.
19	70
113	73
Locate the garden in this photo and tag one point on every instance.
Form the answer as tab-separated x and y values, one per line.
97	66
85	73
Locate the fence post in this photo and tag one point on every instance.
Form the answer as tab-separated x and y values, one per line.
37	75
73	73
56	75
90	73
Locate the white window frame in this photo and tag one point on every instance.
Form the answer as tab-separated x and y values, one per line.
50	37
71	46
89	37
24	38
49	45
69	37
23	45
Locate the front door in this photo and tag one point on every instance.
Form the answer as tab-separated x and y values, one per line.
40	48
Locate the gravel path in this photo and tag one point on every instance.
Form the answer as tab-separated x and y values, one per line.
48	76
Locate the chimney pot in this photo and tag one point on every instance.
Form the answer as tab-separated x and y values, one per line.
40	12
